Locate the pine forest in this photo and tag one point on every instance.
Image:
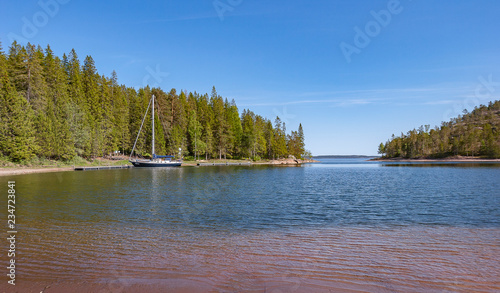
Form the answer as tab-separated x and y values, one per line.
60	108
472	134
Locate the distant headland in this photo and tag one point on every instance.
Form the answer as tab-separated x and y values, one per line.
473	135
344	157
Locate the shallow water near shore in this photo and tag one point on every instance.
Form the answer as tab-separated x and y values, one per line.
342	225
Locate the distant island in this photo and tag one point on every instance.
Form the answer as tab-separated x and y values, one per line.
57	109
474	135
344	157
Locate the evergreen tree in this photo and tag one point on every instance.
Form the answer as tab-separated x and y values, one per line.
248	137
270	140
121	133
3	62
293	144
52	123
16	64
280	149
36	89
197	145
301	141
381	149
78	121
235	129
206	119
92	106
105	122
17	135
260	144
220	125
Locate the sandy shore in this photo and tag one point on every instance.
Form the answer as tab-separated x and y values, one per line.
21	171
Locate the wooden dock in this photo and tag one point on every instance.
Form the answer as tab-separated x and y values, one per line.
224	164
92	168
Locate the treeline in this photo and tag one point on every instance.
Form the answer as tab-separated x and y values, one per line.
472	134
58	108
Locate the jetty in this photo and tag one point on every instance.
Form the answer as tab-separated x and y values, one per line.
92	168
225	164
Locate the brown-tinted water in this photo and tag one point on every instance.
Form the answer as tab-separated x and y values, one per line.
404	259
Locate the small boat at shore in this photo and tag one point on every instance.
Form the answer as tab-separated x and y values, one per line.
155	161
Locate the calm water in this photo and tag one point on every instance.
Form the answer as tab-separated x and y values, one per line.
342	225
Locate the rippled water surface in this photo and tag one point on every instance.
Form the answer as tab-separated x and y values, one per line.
342	225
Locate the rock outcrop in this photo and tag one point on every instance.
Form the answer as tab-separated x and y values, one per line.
291	160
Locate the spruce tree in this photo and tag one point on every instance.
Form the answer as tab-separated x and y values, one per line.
301	142
36	88
206	119
197	146
18	135
270	140
260	139
78	122
121	134
65	145
93	107
3	62
248	137
235	130
16	64
220	125
280	148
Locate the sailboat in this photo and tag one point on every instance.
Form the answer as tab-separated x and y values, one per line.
155	161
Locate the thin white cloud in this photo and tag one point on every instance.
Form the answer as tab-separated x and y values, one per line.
442	102
213	14
397	96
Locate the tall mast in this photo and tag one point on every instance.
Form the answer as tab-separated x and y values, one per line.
153	119
140	128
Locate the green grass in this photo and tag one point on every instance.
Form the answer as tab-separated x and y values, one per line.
4	162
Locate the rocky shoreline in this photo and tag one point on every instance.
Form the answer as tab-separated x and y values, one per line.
457	159
291	161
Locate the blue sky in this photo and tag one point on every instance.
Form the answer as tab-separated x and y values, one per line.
408	63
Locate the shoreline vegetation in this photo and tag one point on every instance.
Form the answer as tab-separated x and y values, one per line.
474	135
451	159
46	166
59	108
